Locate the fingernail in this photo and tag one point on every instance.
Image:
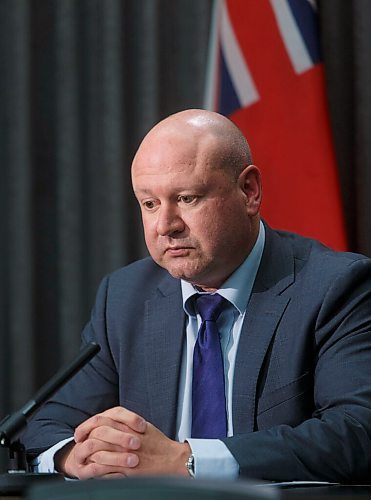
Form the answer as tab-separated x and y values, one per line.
134	443
142	425
132	460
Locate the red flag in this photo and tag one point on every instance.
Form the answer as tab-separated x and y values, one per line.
268	78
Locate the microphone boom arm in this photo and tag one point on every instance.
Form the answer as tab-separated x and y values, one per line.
12	425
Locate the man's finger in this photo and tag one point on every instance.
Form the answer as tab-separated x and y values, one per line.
115	459
93	470
83	451
116	437
134	422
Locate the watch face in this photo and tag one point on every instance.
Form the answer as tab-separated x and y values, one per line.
190	464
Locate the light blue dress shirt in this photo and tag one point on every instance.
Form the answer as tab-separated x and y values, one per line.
212	457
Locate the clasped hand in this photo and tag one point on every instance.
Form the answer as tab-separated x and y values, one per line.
119	443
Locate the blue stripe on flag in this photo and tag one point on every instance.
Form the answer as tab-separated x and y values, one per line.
307	21
228	100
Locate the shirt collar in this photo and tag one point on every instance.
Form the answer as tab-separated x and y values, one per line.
237	288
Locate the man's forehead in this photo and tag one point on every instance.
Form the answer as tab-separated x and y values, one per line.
176	173
176	177
171	157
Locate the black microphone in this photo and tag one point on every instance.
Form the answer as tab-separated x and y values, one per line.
12	425
18	479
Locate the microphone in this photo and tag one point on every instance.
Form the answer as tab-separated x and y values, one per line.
12	425
18	479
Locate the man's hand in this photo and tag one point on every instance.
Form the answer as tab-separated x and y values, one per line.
118	442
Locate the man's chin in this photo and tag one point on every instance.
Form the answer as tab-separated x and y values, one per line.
190	270
182	273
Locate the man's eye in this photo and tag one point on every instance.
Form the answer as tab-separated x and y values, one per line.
150	204
187	199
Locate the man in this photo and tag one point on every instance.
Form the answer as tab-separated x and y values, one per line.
285	394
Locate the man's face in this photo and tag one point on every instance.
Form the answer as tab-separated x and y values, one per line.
196	219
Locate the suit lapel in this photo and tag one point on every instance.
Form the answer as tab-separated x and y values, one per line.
264	311
164	335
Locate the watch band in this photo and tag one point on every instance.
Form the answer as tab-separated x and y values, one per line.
190	464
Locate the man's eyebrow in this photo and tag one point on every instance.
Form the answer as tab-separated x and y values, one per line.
143	190
176	189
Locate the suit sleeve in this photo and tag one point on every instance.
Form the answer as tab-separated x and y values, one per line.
333	445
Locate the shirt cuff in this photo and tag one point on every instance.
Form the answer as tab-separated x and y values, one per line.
45	461
212	459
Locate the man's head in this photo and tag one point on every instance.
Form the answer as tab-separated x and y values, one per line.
199	196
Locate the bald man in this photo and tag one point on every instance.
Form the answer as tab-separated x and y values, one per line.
283	388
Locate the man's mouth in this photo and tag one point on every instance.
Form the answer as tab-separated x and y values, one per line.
178	251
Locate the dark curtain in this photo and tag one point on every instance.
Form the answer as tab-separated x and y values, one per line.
346	43
81	81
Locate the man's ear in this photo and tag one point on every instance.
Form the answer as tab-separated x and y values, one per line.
250	184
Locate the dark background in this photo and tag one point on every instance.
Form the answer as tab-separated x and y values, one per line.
81	82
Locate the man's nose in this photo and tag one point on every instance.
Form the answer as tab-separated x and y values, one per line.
169	221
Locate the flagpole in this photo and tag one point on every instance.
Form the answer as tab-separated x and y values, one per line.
212	58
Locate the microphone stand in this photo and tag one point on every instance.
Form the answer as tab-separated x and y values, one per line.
18	476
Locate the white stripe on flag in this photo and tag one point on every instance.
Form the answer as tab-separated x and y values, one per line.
240	75
291	36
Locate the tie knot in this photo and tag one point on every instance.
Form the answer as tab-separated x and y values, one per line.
210	306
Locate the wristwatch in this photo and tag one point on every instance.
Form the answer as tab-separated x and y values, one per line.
190	464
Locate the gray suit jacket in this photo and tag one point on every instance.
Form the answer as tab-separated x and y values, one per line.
302	383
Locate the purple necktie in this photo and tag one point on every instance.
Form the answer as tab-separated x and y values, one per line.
209	416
